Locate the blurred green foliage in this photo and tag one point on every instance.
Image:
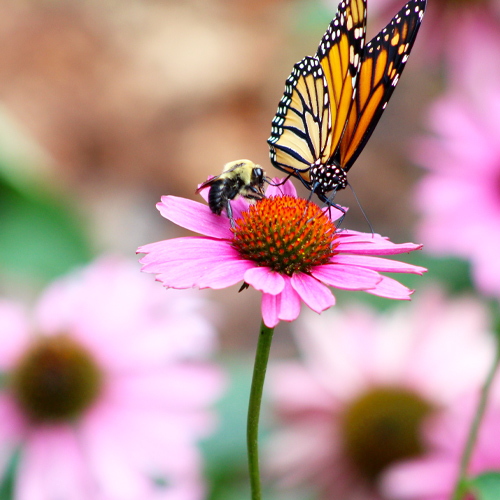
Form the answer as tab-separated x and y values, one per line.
41	234
486	486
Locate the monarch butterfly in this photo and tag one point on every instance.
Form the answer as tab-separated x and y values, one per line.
334	100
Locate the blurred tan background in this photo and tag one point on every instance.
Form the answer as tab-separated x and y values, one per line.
130	100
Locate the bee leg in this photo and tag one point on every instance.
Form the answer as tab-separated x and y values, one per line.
229	212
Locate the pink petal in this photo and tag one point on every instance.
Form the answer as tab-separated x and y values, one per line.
286	189
161	254
289	305
53	466
12	430
378	247
269	309
365	244
180	386
205	192
192	261
391	289
195	217
295	389
378	264
265	280
14	332
334	213
225	274
346	277
111	462
430	478
238	206
314	294
284	306
203	274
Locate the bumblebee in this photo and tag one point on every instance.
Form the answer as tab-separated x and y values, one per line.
238	178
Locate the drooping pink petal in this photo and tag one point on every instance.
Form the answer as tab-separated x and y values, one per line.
314	294
346	277
378	264
391	289
270	309
289	307
194	216
265	280
284	306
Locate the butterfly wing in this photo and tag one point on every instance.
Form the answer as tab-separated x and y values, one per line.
301	129
313	111
340	52
383	62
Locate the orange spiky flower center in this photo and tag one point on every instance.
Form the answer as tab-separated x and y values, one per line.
286	234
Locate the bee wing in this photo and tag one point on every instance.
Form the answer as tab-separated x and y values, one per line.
207	183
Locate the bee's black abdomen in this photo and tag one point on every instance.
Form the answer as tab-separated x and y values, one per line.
216	197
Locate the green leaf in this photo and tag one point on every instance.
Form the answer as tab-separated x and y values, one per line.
486	486
7	482
41	236
41	233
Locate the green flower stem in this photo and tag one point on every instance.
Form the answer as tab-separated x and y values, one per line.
259	374
461	486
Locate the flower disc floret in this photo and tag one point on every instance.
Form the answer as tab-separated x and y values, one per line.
286	234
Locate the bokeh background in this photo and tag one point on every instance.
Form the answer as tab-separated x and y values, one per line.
107	106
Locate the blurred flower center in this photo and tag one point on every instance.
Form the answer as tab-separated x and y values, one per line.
55	380
286	234
383	426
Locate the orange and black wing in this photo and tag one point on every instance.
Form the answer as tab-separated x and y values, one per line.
383	62
313	111
302	127
340	54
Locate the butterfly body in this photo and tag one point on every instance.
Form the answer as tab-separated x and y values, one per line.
334	99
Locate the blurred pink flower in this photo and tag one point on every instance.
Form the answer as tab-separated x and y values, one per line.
445	23
460	196
470	65
433	476
356	402
284	246
107	391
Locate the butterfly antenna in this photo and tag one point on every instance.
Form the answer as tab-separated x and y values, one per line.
361	208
